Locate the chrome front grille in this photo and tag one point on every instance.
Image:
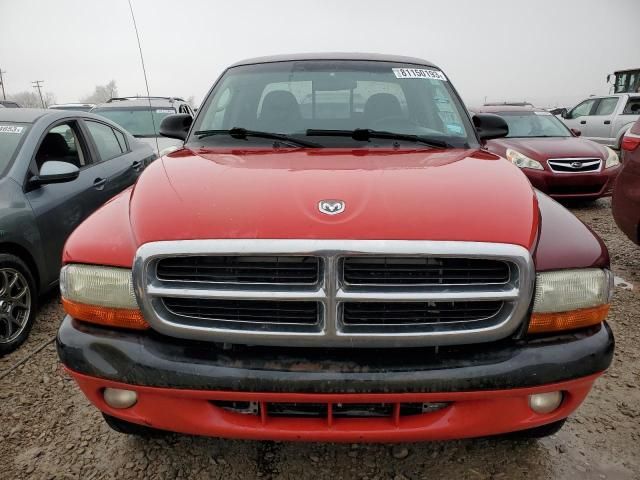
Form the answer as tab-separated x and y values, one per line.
366	293
575	165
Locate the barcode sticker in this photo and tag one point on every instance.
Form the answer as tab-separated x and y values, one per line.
419	73
10	129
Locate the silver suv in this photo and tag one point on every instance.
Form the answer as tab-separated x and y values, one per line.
605	119
141	116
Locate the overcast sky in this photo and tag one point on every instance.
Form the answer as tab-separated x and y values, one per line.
550	52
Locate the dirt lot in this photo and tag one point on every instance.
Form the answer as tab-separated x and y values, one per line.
48	429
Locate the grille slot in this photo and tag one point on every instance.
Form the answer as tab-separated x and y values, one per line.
240	269
412	313
246	311
574	165
423	271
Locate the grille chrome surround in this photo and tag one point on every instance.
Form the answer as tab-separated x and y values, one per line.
565	165
332	293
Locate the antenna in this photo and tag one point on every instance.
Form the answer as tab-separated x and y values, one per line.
4	96
144	71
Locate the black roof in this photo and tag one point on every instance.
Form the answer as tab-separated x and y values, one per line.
372	57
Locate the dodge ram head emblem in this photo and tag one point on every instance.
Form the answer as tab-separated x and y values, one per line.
576	164
331	207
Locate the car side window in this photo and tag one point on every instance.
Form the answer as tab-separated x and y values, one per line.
632	107
121	140
105	140
606	106
583	108
62	143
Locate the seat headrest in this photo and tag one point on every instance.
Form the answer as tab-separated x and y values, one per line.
382	105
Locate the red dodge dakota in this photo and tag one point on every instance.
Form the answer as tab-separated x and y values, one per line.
335	256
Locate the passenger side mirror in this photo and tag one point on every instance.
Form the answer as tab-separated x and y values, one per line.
54	171
576	132
490	126
566	114
176	126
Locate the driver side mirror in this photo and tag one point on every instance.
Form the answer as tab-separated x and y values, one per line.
53	171
490	126
566	114
176	126
575	132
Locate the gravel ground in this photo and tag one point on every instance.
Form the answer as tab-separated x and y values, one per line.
48	429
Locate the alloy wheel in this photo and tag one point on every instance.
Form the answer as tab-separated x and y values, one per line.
15	304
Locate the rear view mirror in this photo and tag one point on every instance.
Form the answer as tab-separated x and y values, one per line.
576	132
53	171
176	126
490	126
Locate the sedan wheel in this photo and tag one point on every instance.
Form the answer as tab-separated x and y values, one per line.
15	304
18	299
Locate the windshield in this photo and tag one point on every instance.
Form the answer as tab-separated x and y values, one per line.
136	120
306	99
11	134
534	124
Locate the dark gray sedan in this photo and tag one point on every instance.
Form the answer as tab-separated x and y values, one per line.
56	168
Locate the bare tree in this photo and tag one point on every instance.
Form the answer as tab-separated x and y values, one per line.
29	99
102	93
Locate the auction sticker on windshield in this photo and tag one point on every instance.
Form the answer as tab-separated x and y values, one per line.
10	129
419	73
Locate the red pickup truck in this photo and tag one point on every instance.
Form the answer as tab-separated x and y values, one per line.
334	256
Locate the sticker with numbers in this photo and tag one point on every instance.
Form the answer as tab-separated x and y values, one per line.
165	110
10	129
419	73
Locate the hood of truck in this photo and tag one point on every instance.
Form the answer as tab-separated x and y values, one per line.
426	194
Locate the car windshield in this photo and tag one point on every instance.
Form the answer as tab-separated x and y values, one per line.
138	121
534	124
11	134
308	100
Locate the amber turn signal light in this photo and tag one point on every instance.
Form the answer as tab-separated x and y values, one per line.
557	321
108	316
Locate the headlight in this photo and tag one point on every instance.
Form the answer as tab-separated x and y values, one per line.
569	299
522	161
612	159
102	295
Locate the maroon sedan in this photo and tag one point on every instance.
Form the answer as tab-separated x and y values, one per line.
552	156
626	195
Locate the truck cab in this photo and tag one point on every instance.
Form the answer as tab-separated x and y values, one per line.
605	119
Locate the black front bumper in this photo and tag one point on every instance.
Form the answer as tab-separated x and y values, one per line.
153	360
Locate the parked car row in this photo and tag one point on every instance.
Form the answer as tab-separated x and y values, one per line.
324	209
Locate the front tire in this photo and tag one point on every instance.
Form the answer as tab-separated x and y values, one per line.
18	302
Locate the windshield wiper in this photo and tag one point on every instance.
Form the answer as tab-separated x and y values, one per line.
366	134
238	132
